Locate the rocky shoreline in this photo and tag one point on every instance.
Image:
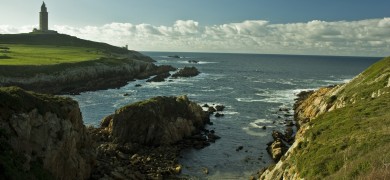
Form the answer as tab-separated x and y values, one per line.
183	72
91	76
140	141
80	77
283	142
308	105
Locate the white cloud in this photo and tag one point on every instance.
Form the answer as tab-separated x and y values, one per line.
189	27
361	38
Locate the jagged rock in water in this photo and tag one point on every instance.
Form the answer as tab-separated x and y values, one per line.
219	107
157	121
211	110
159	77
219	115
186	72
156	70
48	132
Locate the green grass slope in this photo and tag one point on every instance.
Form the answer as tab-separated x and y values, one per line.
48	49
352	142
57	40
20	54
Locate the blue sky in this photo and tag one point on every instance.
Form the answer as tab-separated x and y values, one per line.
182	25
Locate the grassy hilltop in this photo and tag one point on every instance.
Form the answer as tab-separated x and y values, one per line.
63	64
24	55
49	49
57	40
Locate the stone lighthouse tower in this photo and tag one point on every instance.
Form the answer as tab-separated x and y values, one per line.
43	18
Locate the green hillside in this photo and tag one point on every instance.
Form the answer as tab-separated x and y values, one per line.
58	40
21	54
352	142
48	49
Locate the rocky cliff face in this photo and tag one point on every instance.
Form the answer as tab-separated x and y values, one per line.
308	106
157	121
79	77
364	88
43	137
46	131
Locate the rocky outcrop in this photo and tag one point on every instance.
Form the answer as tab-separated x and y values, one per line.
186	72
157	121
278	147
79	77
46	131
158	70
143	140
43	137
159	77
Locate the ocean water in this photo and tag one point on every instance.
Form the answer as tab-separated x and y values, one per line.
252	87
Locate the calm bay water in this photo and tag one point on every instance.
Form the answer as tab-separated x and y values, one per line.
252	87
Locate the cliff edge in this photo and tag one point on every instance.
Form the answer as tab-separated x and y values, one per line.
42	137
343	131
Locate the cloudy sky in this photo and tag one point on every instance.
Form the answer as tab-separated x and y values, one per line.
331	27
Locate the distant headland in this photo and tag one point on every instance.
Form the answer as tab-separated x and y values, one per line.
49	62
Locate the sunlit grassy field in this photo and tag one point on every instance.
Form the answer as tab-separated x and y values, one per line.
18	54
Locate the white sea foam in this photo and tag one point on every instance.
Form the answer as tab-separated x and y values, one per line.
230	112
208	90
278	81
338	81
164	61
198	62
259	123
254	133
206	62
279	96
249	100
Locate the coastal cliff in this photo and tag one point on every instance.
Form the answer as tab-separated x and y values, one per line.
73	78
343	131
63	64
42	137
